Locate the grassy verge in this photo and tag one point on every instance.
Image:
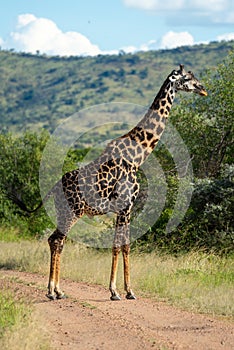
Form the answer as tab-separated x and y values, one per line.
11	311
196	281
19	327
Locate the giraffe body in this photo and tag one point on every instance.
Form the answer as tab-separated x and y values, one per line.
109	183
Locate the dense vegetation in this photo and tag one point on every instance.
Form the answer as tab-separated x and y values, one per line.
205	125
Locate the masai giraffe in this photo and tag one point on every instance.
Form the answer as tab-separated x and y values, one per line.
109	183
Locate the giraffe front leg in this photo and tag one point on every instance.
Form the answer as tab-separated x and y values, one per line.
125	251
56	245
58	291
113	290
53	261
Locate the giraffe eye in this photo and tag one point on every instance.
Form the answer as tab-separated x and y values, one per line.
186	78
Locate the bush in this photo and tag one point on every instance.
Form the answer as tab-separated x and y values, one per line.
19	172
208	223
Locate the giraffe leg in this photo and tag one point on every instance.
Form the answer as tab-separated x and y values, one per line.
59	293
125	251
113	290
121	242
56	241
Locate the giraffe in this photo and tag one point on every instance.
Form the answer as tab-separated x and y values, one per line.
109	183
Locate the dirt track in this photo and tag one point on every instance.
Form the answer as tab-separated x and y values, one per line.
89	320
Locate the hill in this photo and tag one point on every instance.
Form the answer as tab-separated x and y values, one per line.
39	91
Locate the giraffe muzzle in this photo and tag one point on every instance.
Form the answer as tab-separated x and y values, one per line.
203	92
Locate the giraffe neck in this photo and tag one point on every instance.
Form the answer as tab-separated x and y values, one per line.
146	134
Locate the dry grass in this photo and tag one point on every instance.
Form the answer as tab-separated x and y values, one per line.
195	281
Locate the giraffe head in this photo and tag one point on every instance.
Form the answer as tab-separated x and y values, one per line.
186	81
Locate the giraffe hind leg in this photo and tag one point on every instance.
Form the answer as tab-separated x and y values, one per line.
125	251
113	290
66	218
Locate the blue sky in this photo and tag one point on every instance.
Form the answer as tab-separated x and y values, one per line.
86	27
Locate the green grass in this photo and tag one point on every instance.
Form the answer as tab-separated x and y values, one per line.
11	234
12	312
195	281
20	328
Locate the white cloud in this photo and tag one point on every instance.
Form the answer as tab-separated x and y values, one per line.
169	5
156	5
25	19
32	34
182	12
172	39
150	45
226	37
129	49
211	5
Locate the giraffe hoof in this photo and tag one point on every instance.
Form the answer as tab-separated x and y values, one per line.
115	297
130	296
61	296
51	296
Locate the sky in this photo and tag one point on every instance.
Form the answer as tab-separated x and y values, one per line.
90	27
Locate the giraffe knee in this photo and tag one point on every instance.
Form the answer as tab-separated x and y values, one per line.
115	251
125	249
56	241
52	240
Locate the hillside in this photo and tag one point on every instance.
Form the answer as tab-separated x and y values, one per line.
39	91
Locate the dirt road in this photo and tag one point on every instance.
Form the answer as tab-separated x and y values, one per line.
88	320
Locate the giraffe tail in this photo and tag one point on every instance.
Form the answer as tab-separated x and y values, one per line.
16	200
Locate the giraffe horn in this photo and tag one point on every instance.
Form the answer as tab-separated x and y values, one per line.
182	68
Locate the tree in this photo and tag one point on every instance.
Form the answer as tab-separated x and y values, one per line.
19	172
206	124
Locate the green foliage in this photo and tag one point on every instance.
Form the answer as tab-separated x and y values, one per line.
209	222
206	124
73	158
19	172
12	234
